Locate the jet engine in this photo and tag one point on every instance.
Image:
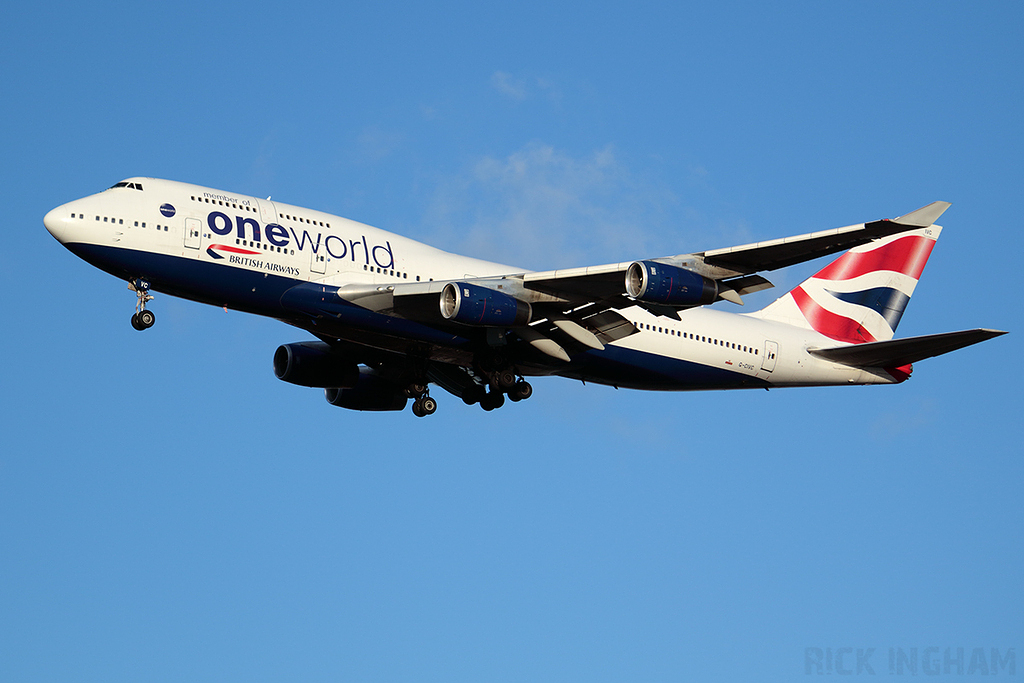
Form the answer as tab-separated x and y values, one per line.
475	305
314	364
660	283
369	392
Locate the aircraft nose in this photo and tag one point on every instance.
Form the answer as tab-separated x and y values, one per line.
56	223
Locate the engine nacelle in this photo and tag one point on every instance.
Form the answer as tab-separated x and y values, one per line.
659	283
314	364
475	305
371	392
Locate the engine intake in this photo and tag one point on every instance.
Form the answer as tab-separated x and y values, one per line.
661	283
314	364
475	305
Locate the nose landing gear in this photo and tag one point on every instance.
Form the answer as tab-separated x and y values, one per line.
143	319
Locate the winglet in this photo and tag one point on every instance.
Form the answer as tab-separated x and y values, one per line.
925	216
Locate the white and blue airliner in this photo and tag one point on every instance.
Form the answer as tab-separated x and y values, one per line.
392	316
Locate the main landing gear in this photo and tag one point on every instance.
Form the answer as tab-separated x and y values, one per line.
501	379
488	388
493	396
142	319
423	405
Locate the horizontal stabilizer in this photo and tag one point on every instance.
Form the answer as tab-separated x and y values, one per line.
899	352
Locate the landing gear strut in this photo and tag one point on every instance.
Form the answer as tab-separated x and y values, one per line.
143	319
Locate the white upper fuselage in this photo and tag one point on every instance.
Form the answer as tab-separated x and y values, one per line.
355	252
252	248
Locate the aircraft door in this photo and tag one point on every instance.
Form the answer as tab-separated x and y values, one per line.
771	350
318	264
193	232
268	212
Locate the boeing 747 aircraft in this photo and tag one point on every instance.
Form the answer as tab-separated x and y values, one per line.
393	316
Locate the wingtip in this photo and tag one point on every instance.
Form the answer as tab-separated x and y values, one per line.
993	333
925	216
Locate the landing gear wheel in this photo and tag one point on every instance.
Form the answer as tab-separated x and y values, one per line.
146	319
505	379
135	322
492	400
521	391
423	406
428	405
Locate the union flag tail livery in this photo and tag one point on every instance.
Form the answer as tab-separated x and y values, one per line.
861	296
393	317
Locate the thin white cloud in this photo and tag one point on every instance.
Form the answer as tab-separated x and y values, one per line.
374	143
540	208
509	86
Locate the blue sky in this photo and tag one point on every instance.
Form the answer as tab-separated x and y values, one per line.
170	511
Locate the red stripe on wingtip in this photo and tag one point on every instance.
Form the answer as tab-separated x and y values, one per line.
822	320
907	255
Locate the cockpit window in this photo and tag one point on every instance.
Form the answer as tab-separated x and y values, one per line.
125	183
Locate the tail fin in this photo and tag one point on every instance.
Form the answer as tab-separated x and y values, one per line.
860	297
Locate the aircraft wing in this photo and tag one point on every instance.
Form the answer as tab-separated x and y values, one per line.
733	266
751	258
602	287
